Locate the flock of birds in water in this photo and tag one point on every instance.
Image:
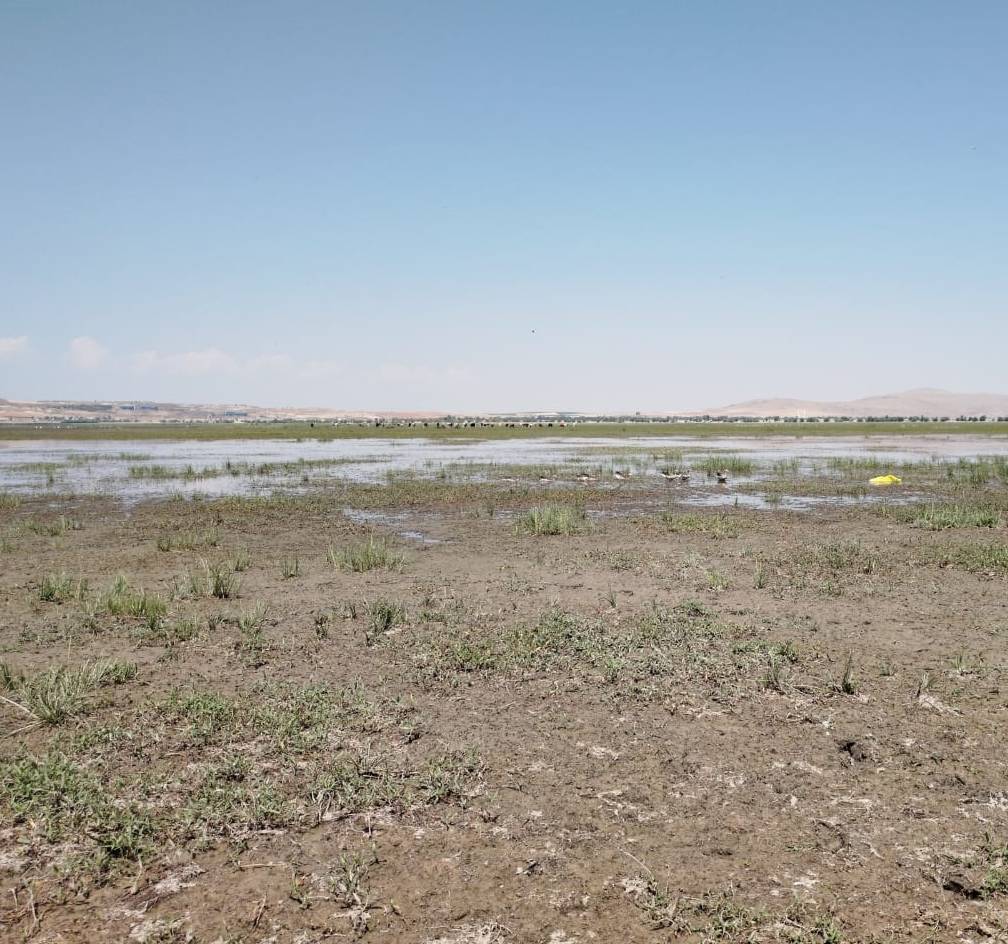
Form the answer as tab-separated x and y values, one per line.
673	476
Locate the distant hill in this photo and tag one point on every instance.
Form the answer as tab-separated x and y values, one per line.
923	402
141	411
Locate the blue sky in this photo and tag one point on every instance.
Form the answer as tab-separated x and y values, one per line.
507	205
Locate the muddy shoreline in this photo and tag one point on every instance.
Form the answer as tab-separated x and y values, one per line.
670	724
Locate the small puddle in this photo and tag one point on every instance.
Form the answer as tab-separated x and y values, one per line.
392	521
418	536
793	502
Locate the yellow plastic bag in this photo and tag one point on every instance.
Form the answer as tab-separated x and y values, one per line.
886	480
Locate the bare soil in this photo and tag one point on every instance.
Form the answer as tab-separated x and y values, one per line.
727	726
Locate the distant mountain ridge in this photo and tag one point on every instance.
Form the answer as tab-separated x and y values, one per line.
149	411
925	401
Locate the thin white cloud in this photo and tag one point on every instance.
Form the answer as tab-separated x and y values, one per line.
210	360
321	369
271	362
213	360
422	375
10	347
87	354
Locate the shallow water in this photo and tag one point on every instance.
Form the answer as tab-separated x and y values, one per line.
394	521
103	467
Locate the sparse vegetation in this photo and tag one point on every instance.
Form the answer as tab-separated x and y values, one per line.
251	623
977	558
189	540
734	465
61	800
774	678
58	588
552	519
718	525
252	619
360	558
848	683
54	529
241	561
384	615
305	744
122	600
290	566
217	580
935	517
53	695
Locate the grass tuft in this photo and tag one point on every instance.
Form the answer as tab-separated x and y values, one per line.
58	588
62	801
57	693
290	567
977	558
848	684
384	615
935	517
122	600
217	580
189	540
717	525
55	529
372	554
552	519
736	465
241	561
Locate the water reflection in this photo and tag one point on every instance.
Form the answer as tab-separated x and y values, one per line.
144	469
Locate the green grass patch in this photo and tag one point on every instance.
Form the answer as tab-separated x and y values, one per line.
976	558
941	517
736	465
58	588
383	616
552	519
187	473
372	554
216	580
123	600
717	525
57	693
62	801
290	567
56	528
189	540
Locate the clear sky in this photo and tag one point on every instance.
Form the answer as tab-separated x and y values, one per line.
502	205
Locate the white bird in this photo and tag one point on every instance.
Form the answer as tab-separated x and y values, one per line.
722	476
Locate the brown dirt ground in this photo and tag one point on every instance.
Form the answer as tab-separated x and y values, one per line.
632	775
